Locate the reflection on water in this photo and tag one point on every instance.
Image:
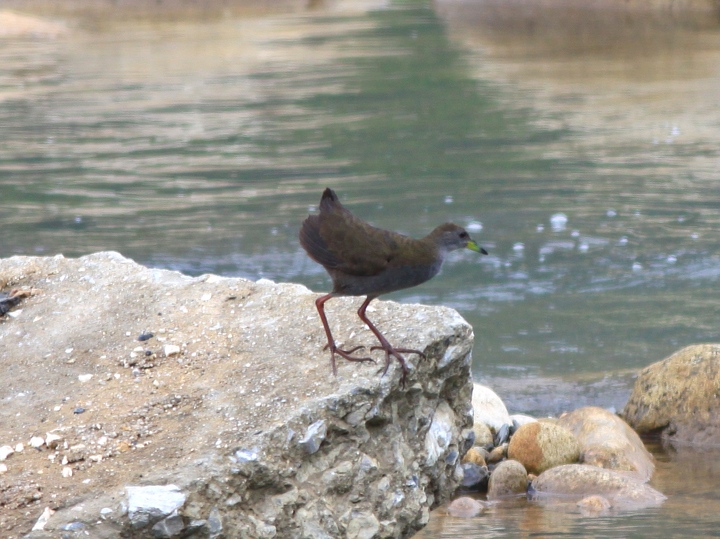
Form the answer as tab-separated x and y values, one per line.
582	151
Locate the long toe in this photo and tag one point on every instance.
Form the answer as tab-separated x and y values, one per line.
401	350
395	352
347	355
344	351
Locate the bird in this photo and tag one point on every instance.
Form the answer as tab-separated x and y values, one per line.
363	260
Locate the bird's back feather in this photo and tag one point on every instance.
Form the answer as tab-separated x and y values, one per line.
344	243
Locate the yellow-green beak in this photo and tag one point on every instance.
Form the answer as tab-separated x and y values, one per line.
475	247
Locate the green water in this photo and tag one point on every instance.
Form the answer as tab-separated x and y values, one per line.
200	144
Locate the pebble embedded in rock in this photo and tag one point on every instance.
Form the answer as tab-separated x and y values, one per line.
170	526
439	435
244	456
52	440
152	502
37	442
79	410
215	522
3	468
85	377
145	336
6	451
314	436
465	507
363	526
75	526
43	520
171	350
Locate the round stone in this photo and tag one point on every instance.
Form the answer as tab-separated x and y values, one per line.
509	478
542	445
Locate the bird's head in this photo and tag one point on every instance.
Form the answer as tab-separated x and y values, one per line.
450	237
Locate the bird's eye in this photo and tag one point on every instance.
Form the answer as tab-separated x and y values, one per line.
463	235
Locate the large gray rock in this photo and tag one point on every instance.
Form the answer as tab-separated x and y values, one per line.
228	421
574	482
608	442
679	396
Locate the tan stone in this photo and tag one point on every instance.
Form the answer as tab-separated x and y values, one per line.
608	442
475	456
539	446
483	434
679	396
581	480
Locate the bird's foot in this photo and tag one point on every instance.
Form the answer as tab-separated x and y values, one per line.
397	354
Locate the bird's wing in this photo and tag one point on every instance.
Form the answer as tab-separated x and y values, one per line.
315	245
360	248
340	241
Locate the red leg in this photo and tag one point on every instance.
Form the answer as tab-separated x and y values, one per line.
385	345
320	304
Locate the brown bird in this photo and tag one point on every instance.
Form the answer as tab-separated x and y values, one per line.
366	261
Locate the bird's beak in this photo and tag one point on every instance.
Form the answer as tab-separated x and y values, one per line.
475	247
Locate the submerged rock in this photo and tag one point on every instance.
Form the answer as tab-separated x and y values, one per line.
245	417
578	481
608	442
465	507
594	505
678	396
543	445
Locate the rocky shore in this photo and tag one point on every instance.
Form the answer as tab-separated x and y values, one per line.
591	457
145	403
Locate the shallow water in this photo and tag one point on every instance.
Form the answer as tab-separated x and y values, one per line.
687	477
583	155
